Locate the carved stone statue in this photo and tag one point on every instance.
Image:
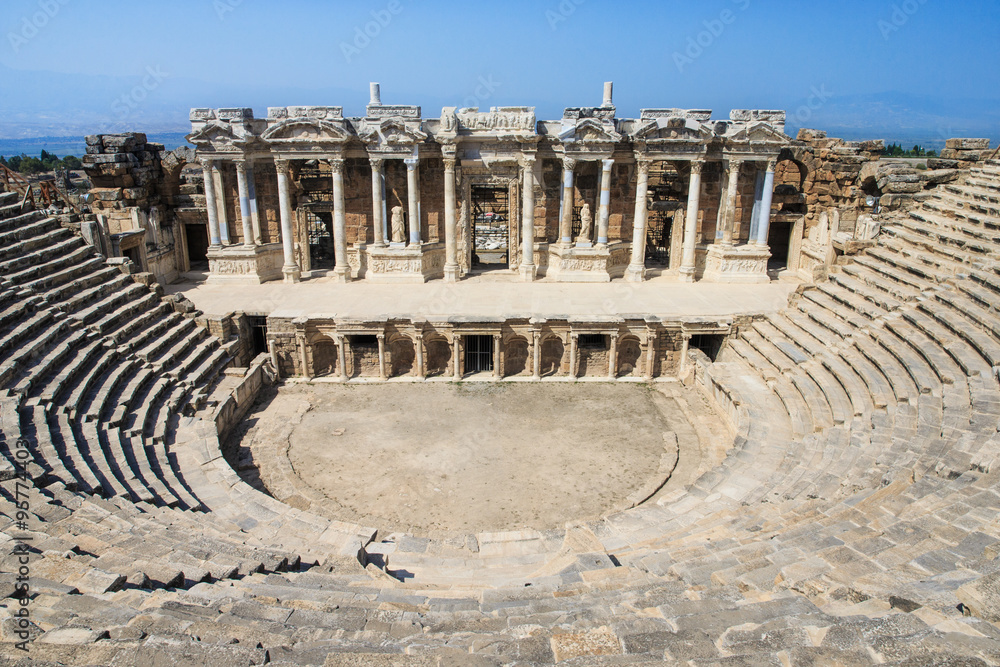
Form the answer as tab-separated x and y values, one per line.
398	229
586	222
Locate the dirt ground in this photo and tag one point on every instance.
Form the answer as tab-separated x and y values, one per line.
473	457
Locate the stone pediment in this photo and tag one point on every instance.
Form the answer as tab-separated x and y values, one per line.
216	134
392	133
590	131
306	130
758	133
674	129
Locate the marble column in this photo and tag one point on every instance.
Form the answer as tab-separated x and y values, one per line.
604	205
691	223
290	269
210	206
764	222
303	358
456	360
220	202
637	267
496	357
650	354
566	222
613	357
573	346
536	354
412	199
342	357
528	269
341	270
381	355
451	268
418	343
244	192
379	229
728	220
258	238
686	343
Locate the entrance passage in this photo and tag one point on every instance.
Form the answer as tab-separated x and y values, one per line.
197	245
478	354
258	333
320	226
658	230
491	231
779	237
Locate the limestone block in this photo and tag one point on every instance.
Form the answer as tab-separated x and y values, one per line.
982	597
968	144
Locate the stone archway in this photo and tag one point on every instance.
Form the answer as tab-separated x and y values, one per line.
324	357
515	356
402	356
438	356
552	356
629	357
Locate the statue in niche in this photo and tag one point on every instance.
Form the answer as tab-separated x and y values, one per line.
586	222
398	228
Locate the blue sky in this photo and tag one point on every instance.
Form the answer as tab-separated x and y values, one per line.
909	67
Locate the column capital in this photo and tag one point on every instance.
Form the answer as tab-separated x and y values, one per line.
734	162
281	164
411	162
206	162
569	163
380	335
574	335
241	164
376	162
336	165
772	164
697	166
685	335
643	165
527	160
449	163
607	164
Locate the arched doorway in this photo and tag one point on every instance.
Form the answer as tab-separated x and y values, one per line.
629	354
438	356
401	356
324	357
516	356
552	354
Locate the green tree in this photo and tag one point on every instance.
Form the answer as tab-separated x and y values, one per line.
72	162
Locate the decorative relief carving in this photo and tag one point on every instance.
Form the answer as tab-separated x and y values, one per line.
517	119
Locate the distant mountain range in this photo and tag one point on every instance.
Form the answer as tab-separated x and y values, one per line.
62	108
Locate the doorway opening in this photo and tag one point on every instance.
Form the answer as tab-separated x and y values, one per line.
197	246
320	227
491	230
478	354
779	240
258	334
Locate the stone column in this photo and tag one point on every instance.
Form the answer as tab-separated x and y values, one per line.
451	268
573	339
381	355
418	343
210	206
244	191
303	357
650	354
496	357
412	199
342	357
604	205
220	202
456	361
764	223
290	269
691	223
376	164
528	269
686	342
342	270
637	267
728	221
258	238
536	353
566	223
613	357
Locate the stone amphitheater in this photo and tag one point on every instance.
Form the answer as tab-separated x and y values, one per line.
852	518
